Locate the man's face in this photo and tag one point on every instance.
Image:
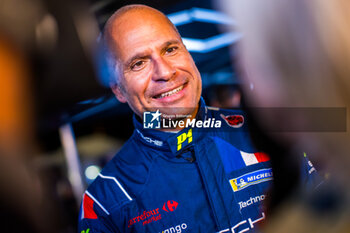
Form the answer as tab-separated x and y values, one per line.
155	69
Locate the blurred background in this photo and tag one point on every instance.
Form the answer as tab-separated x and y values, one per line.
59	122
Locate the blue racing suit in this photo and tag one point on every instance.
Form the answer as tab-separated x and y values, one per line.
196	180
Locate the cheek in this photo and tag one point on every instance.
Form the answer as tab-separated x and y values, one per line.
137	83
197	77
182	59
187	64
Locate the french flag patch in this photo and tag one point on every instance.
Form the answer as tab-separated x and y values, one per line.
88	208
233	158
253	158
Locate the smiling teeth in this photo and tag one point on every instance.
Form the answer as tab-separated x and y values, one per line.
169	93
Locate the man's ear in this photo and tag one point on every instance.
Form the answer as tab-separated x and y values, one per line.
118	93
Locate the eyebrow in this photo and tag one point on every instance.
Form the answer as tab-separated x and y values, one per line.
144	55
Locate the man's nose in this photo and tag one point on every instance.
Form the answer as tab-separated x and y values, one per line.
163	69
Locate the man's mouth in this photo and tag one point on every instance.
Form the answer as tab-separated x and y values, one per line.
169	93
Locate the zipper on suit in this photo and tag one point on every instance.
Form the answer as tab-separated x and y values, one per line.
193	159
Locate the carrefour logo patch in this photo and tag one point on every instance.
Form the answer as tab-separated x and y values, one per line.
251	178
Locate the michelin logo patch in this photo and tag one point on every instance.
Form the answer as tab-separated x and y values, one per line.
251	178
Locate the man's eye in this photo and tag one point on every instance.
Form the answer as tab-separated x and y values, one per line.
171	49
137	65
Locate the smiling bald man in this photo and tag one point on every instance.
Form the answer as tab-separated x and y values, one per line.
202	176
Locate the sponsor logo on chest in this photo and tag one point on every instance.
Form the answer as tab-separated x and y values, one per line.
251	178
250	201
149	216
177	229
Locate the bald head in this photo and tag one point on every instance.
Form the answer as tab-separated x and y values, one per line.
150	65
121	24
143	9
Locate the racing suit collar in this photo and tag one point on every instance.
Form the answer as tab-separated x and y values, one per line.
174	143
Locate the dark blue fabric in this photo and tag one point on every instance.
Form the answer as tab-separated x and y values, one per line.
151	186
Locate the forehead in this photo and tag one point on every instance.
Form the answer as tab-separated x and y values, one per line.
138	30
